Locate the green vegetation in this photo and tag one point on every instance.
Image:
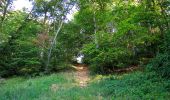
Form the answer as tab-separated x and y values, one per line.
115	37
137	85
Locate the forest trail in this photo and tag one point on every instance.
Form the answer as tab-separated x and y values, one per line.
81	74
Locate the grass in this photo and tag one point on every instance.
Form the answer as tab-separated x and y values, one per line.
133	86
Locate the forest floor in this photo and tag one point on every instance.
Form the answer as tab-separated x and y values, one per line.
78	84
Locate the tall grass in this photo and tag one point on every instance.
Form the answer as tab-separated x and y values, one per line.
133	86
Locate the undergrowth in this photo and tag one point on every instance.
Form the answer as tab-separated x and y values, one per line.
132	86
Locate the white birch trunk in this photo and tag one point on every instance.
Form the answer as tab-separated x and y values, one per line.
52	45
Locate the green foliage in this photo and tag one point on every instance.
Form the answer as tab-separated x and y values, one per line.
136	37
111	34
104	58
35	88
19	54
67	46
138	85
161	63
25	41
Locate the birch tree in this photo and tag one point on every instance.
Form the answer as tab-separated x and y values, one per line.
54	12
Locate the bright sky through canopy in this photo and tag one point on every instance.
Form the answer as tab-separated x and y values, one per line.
20	4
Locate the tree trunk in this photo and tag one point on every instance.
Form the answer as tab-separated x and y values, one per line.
5	10
52	45
95	29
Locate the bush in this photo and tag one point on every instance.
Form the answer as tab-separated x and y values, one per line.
106	56
118	50
18	53
161	63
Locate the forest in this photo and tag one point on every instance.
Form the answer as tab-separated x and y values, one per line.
123	45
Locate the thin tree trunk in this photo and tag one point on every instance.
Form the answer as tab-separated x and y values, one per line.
95	29
5	10
52	44
95	23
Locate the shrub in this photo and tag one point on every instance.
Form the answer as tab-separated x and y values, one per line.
161	63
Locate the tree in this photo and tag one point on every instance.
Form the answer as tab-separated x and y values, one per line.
137	33
4	5
14	55
54	13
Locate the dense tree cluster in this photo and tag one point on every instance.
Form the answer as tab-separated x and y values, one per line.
124	33
111	34
29	42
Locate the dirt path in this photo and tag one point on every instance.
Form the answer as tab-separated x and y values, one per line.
81	75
